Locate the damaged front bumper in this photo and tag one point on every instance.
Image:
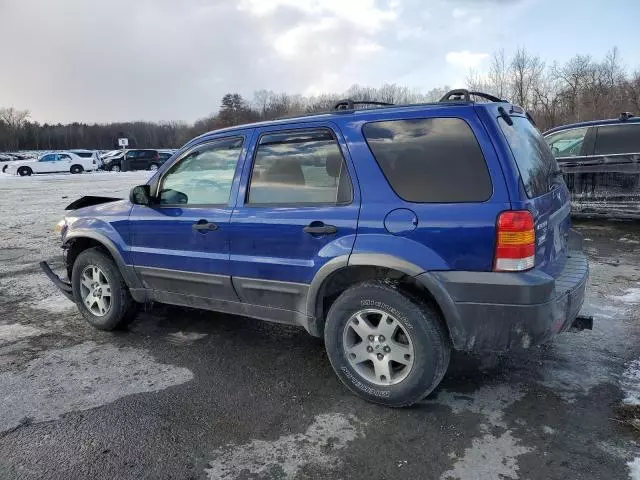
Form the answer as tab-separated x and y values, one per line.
63	286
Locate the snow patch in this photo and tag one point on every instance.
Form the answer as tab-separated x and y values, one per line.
489	401
630	382
628	240
285	457
488	457
632	295
55	304
81	377
14	332
634	468
185	338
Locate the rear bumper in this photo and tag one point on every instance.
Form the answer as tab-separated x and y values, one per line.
63	286
502	311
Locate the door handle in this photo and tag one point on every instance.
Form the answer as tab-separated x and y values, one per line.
319	228
203	226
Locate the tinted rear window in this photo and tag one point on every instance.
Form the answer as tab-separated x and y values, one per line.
618	139
84	154
435	160
532	154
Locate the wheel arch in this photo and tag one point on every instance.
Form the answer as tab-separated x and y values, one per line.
343	272
78	242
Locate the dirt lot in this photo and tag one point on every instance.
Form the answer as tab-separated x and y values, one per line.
188	394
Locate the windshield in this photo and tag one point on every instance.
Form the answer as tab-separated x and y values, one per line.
536	163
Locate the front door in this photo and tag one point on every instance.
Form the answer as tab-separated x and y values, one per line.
180	244
48	163
297	209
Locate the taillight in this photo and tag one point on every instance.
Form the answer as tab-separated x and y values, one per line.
515	242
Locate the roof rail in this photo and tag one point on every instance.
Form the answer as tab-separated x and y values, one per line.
462	94
624	116
348	104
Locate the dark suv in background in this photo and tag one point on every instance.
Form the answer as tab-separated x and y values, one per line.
601	163
135	160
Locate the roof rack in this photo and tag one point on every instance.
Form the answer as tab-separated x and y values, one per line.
464	95
348	104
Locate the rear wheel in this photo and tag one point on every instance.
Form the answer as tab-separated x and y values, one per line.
100	292
24	171
115	168
76	169
4	169
385	345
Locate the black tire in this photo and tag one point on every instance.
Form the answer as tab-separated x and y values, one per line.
422	322
115	168
4	169
153	167
25	171
76	169
123	309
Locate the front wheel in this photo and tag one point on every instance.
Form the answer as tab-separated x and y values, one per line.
385	345
153	167
115	168
100	291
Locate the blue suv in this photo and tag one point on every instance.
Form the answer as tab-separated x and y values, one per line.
396	232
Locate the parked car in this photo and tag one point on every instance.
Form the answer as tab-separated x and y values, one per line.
55	162
397	233
601	163
137	160
93	154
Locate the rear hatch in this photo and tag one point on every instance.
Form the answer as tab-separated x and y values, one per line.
542	191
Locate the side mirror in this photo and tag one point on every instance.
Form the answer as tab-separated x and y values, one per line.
140	195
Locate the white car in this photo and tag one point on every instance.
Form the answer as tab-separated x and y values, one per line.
56	162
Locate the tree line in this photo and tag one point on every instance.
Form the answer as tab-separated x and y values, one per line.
583	88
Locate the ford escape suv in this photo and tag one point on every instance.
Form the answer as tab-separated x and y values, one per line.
396	232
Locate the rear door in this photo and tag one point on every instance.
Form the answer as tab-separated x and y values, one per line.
616	179
297	209
542	191
64	162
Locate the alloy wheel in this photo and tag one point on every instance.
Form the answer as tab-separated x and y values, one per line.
95	291
378	347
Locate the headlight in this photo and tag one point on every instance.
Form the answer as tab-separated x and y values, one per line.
60	226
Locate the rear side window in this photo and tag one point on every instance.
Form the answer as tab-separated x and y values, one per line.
84	154
618	139
536	163
303	167
435	160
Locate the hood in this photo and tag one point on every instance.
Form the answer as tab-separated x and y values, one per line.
90	200
117	208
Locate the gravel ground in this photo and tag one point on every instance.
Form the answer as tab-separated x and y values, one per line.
190	394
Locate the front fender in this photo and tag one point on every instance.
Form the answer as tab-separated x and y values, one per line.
107	236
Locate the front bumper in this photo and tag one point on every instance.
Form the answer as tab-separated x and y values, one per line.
505	311
63	286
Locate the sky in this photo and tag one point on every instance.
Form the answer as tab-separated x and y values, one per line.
122	60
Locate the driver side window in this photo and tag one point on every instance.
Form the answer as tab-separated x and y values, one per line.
51	157
567	143
203	176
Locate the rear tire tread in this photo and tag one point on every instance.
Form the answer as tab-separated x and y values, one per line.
433	324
